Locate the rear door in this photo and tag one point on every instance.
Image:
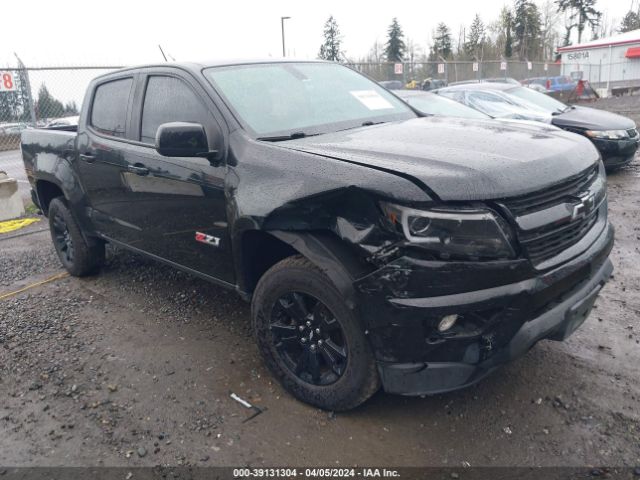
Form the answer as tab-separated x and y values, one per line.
102	156
178	203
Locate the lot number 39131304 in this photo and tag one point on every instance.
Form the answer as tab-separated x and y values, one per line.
7	83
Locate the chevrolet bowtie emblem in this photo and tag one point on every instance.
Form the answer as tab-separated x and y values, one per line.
581	209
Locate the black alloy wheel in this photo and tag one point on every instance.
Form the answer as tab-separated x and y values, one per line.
80	254
62	238
309	339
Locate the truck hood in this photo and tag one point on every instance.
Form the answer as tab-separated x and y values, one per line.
460	159
592	119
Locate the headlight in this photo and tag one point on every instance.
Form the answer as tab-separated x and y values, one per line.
459	233
608	134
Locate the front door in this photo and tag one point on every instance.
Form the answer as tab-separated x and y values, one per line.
179	203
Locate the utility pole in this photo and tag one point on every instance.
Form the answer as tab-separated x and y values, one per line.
282	19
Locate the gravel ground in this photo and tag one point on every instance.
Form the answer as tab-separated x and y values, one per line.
135	366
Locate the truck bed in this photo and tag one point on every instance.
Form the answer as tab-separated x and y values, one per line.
45	145
44	149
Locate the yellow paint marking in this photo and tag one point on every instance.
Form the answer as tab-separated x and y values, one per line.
37	284
11	225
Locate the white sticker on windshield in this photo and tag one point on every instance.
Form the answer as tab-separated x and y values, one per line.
371	99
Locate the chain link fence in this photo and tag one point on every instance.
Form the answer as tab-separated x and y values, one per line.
458	71
38	97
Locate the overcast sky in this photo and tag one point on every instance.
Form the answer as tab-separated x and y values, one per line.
128	32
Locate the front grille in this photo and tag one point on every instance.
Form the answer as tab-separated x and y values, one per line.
543	247
553	195
547	241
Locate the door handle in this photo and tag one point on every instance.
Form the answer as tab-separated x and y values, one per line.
87	157
138	169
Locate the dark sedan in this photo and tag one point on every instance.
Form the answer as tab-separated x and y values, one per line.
615	136
432	104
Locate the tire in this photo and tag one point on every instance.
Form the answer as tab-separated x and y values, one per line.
78	257
326	364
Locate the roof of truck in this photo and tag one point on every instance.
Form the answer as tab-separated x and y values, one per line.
197	66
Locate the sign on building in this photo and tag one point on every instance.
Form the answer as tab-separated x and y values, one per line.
398	68
584	55
441	68
7	83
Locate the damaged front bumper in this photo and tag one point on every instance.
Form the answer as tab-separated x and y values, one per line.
402	303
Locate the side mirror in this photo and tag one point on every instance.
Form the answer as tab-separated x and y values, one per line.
183	139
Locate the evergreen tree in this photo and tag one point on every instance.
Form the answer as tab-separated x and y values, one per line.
48	106
473	46
631	21
526	28
330	48
395	46
71	108
581	14
508	40
441	42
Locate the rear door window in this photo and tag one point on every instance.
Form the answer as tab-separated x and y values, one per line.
109	110
169	99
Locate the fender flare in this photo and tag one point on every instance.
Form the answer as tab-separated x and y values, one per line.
331	256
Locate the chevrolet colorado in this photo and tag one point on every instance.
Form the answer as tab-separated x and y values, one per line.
377	246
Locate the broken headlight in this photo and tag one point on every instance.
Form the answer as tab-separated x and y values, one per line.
453	233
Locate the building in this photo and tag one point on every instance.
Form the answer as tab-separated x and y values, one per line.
610	63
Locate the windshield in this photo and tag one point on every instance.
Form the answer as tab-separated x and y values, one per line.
493	105
540	100
301	99
437	105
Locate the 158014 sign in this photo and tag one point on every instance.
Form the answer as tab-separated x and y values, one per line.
584	55
7	83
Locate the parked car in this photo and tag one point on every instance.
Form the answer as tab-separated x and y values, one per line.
392	84
538	88
493	102
616	137
487	80
63	122
377	247
559	83
432	104
12	128
429	84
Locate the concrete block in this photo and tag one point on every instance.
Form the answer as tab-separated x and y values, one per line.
10	201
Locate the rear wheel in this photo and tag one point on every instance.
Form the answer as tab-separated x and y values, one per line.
78	256
311	341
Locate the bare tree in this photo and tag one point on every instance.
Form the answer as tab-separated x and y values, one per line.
549	28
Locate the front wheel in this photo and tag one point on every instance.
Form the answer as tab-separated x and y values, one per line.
310	340
78	256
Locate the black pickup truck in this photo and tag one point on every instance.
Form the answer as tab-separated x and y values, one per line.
377	246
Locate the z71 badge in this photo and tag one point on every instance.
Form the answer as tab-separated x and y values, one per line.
208	239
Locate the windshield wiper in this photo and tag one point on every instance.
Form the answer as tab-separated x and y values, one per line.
368	123
291	136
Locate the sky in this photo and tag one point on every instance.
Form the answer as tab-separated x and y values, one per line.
127	32
119	32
